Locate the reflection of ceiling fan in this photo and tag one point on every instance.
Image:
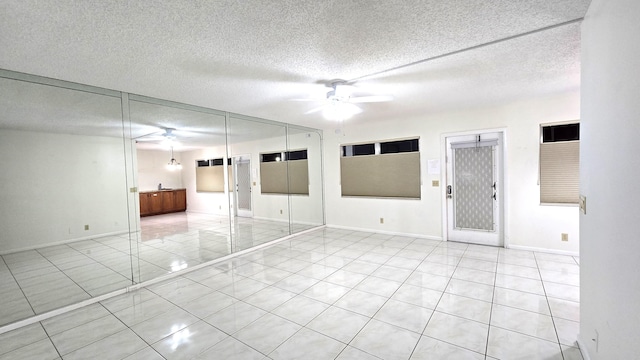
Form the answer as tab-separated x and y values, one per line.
341	103
168	135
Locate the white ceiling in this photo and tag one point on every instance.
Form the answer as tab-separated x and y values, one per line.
253	57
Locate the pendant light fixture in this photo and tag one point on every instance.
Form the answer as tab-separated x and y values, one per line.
173	164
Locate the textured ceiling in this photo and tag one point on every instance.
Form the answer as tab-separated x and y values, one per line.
253	57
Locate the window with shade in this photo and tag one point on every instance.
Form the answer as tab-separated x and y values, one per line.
384	169
560	163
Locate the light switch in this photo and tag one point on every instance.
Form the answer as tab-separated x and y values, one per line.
435	183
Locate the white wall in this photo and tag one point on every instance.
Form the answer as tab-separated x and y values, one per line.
53	185
610	169
529	224
152	170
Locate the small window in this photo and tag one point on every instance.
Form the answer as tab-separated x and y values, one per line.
560	163
392	147
296	155
217	162
555	133
272	157
202	163
359	150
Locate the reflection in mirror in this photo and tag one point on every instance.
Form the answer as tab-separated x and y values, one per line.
183	200
260	210
65	230
304	160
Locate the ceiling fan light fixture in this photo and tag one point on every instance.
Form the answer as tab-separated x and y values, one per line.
339	111
173	165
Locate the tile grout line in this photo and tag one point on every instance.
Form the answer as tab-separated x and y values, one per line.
555	329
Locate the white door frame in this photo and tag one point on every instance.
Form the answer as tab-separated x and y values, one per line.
237	210
505	181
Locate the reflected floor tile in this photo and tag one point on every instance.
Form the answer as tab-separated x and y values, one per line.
307	344
190	341
385	341
338	323
144	311
505	344
465	333
429	348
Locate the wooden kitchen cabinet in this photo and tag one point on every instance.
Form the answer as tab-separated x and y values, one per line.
162	202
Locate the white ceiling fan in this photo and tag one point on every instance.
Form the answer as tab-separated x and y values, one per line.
340	102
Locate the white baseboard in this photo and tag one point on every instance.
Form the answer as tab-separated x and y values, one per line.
63	242
583	349
542	250
421	236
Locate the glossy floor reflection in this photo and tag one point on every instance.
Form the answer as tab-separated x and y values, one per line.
333	294
36	281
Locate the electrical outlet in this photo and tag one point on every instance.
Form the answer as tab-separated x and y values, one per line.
564	237
381	220
86	227
435	183
280	211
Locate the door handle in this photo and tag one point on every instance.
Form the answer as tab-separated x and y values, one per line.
449	192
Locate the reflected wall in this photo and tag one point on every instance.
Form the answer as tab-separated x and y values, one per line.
79	163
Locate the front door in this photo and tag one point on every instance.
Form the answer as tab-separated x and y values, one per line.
474	189
242	166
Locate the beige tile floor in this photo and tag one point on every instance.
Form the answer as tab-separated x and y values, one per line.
35	281
333	294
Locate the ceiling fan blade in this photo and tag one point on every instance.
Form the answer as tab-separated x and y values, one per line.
369	99
315	110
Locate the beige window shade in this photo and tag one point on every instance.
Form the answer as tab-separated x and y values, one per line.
298	177
387	175
273	177
211	179
560	172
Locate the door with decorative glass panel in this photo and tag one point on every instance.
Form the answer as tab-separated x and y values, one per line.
242	171
474	189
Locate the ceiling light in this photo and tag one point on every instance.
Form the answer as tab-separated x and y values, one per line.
173	164
340	110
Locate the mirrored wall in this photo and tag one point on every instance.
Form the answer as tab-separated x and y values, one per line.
102	189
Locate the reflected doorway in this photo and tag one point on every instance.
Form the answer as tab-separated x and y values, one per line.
242	179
